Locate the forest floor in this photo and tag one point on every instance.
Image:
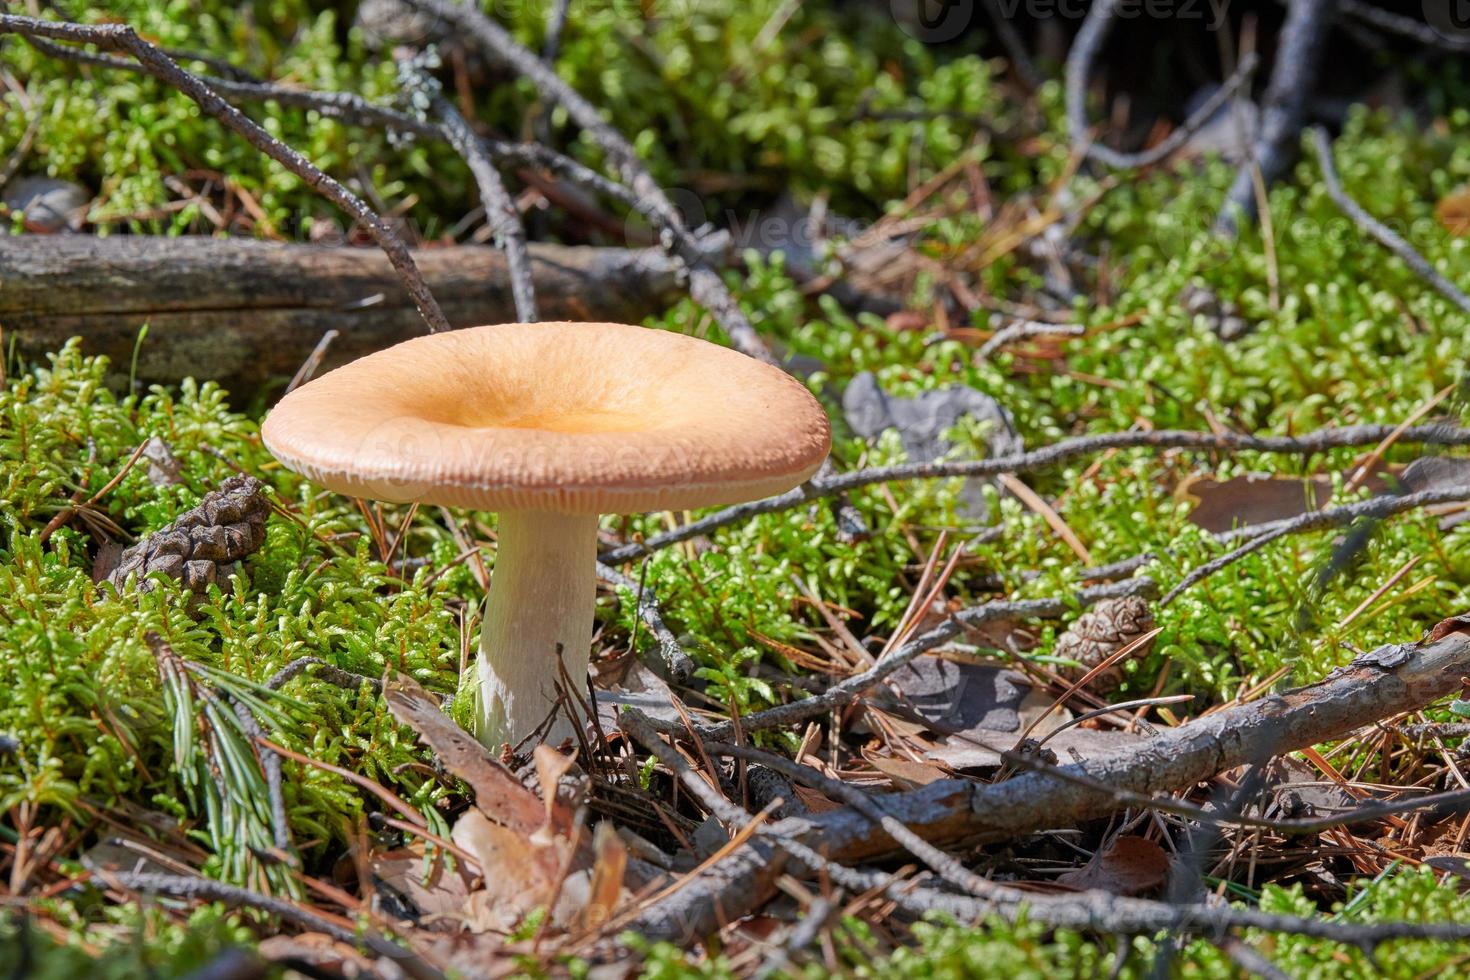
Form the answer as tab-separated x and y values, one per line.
987	295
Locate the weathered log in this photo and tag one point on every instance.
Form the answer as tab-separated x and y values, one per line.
249	312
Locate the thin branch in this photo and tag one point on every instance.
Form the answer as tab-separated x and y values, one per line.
208	890
1030	76
120	37
1058	452
1239	79
1086	46
675	660
270	764
351	108
332	675
705	283
1377	507
556	22
1284	107
1405	26
1375	229
500	210
1012	332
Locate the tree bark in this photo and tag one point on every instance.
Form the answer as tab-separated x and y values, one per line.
247	313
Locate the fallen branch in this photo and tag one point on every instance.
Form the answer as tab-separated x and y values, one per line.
1284	108
675	661
1377	507
1380	684
1058	452
1376	229
500	210
248	312
151	60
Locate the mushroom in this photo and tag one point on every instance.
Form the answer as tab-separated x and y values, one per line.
549	425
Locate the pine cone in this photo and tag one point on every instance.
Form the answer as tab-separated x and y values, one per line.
228	525
1096	635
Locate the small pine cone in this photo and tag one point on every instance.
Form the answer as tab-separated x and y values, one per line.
226	526
1098	634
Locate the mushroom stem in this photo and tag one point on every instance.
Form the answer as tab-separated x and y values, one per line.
541	594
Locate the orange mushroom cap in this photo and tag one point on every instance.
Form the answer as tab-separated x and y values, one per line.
578	418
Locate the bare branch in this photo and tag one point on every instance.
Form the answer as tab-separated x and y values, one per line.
1058	452
120	37
1383	683
500	210
1284	108
1378	507
675	660
1376	229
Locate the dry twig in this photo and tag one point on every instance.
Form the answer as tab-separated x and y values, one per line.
152	61
1385	682
1058	452
1376	229
1283	112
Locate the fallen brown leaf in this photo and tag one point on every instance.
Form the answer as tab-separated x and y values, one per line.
439	896
518	875
606	892
905	773
498	793
1256	498
1453	211
1127	866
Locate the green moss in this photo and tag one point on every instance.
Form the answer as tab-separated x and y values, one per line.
1351	336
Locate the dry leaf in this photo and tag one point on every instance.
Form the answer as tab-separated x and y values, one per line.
551	766
955	696
639	688
518	875
1439	473
1255	498
1453	211
905	773
814	800
1260	498
924	421
606	893
439	897
1128	866
498	793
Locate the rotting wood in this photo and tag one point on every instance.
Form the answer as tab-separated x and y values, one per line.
249	312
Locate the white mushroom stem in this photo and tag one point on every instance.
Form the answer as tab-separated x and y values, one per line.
541	594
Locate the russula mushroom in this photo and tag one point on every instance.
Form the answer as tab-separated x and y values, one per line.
549	425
